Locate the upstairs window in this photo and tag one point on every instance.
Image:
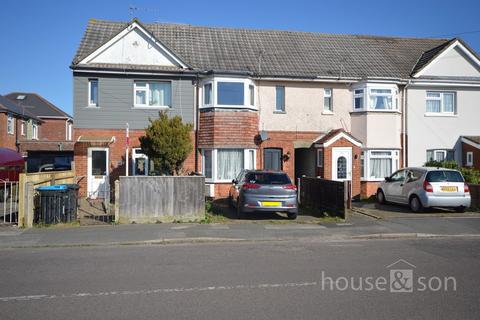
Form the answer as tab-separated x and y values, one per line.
440	102
230	93
280	99
207	94
22	128
327	100
93	92
35	131
69	131
381	99
153	94
358	99
10	125
251	91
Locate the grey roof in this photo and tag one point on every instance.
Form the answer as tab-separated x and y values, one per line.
7	105
274	52
429	55
475	139
37	105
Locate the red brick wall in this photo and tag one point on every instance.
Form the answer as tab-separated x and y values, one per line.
227	129
369	188
52	129
7	140
284	140
476	155
116	153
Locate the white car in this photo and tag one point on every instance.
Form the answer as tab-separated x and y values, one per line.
425	187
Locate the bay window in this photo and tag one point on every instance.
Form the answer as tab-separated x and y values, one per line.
223	165
440	102
230	93
378	164
152	94
373	97
207	94
224	92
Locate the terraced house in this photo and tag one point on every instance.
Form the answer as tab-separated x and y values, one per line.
343	107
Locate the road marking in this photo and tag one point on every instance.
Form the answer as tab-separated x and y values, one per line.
159	291
342	224
180	227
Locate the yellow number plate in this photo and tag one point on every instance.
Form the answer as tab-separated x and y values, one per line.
448	189
271	204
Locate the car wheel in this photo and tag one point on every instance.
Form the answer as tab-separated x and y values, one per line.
381	197
460	209
415	204
292	215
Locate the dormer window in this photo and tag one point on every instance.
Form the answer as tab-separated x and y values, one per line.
376	97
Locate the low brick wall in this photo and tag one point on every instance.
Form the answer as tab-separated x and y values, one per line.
475	195
325	195
161	199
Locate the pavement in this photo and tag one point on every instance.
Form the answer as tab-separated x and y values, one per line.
357	226
300	279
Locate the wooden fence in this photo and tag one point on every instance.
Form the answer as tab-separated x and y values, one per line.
142	199
28	182
475	195
325	195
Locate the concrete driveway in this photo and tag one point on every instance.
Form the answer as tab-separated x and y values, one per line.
386	211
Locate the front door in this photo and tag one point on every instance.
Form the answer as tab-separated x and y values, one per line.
341	164
97	177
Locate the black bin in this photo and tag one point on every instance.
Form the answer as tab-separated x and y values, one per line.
57	204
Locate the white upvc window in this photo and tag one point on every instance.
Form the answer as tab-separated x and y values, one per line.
328	100
22	128
224	165
69	131
152	94
440	155
10	124
440	103
93	92
280	99
228	93
376	97
469	158
35	131
378	164
319	158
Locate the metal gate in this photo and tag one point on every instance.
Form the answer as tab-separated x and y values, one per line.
9	202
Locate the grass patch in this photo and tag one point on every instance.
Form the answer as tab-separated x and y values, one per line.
58	225
213	214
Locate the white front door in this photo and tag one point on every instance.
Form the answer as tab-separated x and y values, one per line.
97	176
342	164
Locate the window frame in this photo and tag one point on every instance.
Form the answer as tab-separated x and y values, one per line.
246	154
445	154
469	158
366	93
368	154
34	131
22	128
247	82
10	124
442	111
330	99
210	103
319	158
147	94
251	92
283	108
90	81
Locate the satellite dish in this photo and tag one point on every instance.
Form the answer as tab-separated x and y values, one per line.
263	135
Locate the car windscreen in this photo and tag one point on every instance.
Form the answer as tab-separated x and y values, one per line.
267	178
444	176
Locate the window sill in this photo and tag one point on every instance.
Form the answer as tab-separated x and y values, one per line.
375	111
92	107
433	114
152	107
211	106
279	112
327	113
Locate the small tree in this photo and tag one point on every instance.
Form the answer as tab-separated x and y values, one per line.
167	142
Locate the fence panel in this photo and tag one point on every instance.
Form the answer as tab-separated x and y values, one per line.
323	194
161	199
475	195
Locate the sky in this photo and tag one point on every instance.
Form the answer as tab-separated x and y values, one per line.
39	38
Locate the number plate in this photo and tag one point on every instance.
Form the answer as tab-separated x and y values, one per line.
271	204
448	189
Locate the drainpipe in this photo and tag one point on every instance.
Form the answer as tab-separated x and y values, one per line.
197	122
404	122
